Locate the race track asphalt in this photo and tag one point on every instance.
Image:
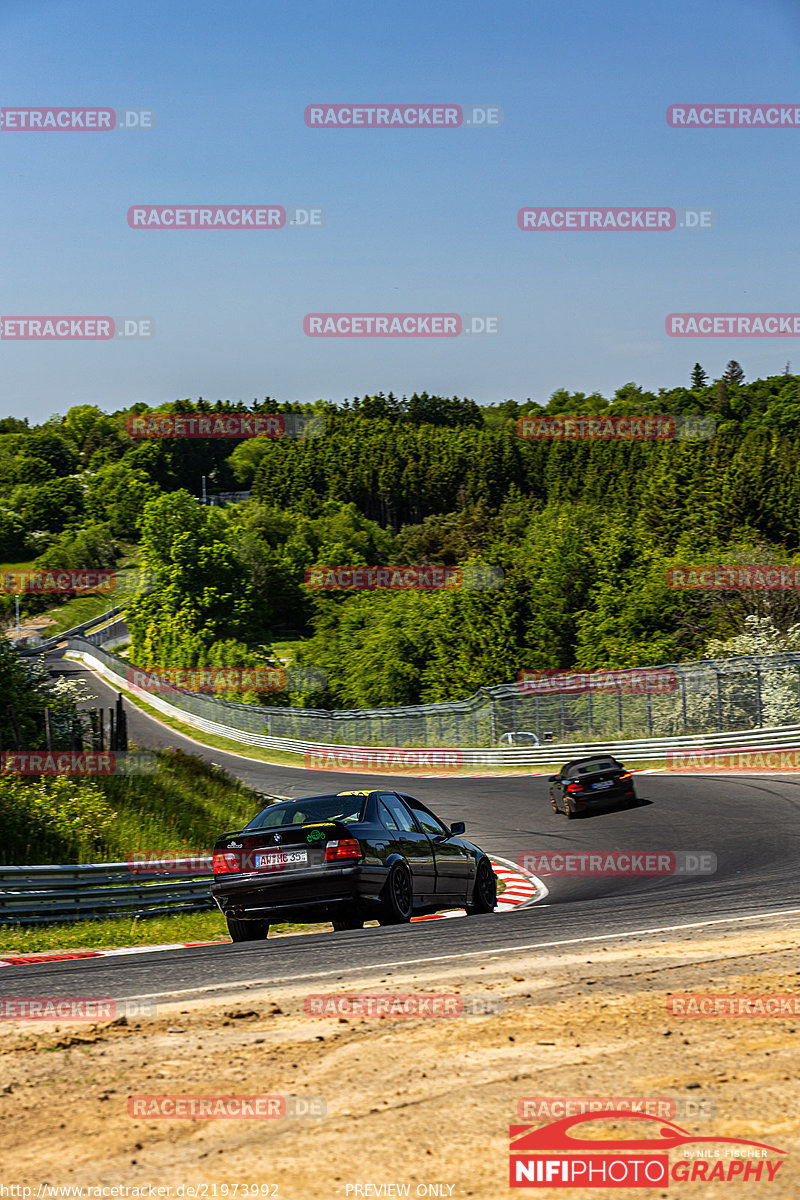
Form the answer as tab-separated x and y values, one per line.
751	824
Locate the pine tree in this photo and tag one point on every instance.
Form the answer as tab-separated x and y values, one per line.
721	404
733	373
699	377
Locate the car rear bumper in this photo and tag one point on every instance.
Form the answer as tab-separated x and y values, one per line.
605	796
314	894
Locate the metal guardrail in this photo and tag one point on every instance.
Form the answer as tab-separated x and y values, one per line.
47	644
448	758
708	697
37	895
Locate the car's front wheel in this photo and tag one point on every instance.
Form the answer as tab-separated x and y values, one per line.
484	894
247	931
553	801
397	902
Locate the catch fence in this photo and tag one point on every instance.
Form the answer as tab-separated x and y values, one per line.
706	697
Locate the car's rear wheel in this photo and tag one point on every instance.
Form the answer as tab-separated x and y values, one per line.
349	922
484	894
247	931
397	902
569	812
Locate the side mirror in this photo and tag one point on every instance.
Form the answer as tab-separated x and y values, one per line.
552	779
457	827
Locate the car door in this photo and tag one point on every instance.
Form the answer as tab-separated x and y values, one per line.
414	845
455	866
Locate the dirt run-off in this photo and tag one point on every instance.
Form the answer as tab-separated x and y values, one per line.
423	1102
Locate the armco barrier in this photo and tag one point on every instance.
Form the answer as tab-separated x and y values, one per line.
706	698
50	643
783	737
34	895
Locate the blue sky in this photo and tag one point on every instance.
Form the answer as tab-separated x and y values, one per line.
417	221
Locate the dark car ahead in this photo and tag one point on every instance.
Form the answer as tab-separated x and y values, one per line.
346	858
594	782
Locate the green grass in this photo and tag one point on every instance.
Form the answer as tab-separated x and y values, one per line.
22	565
184	805
288	647
127	931
76	611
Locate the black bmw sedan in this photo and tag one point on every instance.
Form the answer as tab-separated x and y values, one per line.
597	781
346	858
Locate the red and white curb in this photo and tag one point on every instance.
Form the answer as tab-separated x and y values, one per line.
22	960
521	889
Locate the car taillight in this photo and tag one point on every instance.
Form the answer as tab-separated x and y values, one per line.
226	862
574	787
345	848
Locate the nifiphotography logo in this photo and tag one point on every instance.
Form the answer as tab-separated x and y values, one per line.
565	1154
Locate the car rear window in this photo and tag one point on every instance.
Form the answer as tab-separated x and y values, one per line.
595	764
313	808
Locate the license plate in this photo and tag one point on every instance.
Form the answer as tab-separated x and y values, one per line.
282	858
604	783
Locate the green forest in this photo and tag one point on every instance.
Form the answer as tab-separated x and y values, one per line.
582	533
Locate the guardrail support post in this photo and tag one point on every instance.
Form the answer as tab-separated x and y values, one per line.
683	701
